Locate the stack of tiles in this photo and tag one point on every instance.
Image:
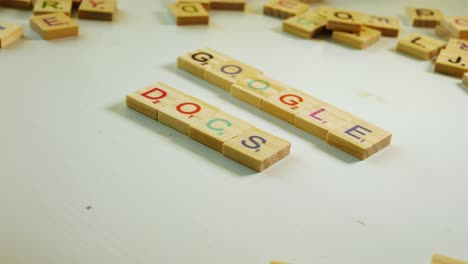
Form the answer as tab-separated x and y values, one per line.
98	10
350	28
453	60
236	139
189	14
424	17
339	128
42	7
9	33
284	8
420	46
54	26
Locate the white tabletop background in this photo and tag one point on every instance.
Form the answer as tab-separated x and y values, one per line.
84	179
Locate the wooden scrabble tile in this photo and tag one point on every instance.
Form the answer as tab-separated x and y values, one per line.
256	149
215	130
253	89
305	25
388	26
286	104
97	9
151	99
439	259
345	20
228	4
457	45
185	112
42	7
284	8
452	63
367	37
320	118
465	78
53	26
23	4
205	3
420	46
442	32
359	138
457	26
225	73
424	17
189	14
196	62
9	33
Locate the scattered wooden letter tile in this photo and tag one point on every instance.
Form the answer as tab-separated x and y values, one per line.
457	26
42	7
196	62
452	63
54	26
215	130
465	78
23	4
305	25
253	89
97	9
367	37
185	112
189	14
9	33
151	99
205	3
228	4
424	17
344	20
388	26
359	138
420	46
457	45
284	8
286	104
439	259
320	118
442	32
256	149
225	73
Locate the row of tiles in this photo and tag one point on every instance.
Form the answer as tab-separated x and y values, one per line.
337	127
205	123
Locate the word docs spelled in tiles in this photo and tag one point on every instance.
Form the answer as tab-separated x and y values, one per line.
305	25
284	8
420	46
388	26
205	3
364	39
439	259
228	4
9	33
339	128
54	26
204	123
457	26
97	9
23	4
424	17
42	7
189	14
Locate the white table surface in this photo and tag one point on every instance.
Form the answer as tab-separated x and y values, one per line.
84	179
